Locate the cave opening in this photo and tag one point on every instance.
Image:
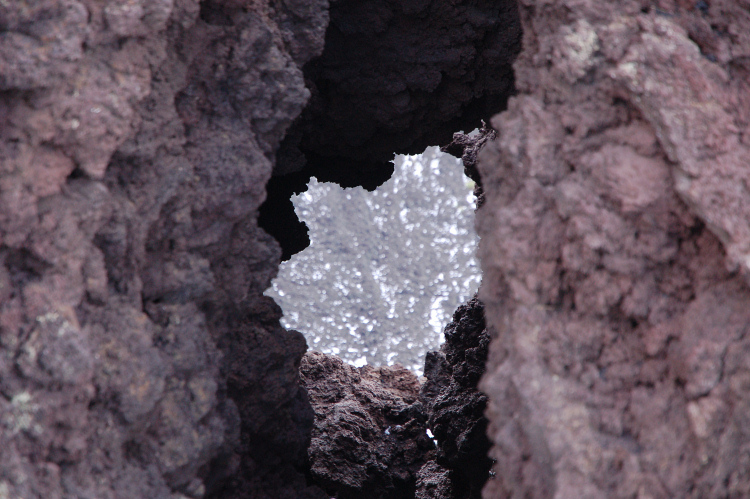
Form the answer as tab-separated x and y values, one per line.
394	78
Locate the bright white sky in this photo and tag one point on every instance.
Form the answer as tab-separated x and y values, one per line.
385	269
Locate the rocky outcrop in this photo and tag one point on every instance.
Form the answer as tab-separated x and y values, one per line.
455	406
613	243
467	146
371	438
138	357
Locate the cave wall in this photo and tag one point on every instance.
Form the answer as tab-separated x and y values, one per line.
138	357
614	242
402	75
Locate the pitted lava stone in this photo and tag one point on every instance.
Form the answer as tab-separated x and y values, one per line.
138	357
455	405
615	236
369	439
370	436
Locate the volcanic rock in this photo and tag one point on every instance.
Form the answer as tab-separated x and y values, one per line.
613	242
454	404
138	357
369	439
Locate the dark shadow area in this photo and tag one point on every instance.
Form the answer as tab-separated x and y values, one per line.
217	12
395	77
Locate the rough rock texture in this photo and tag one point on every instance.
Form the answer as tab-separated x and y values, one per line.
396	76
434	482
138	357
614	243
455	406
370	438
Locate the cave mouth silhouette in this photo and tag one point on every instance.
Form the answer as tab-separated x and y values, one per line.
394	77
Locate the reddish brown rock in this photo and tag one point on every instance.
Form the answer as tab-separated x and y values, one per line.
136	140
613	243
138	357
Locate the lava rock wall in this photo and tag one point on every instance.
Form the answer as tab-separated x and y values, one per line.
614	243
138	357
369	439
402	75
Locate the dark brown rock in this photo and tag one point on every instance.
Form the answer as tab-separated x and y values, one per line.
397	77
138	357
370	436
467	146
454	404
369	439
433	482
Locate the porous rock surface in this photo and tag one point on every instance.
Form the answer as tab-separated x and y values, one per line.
467	147
454	404
370	435
369	439
614	243
138	357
